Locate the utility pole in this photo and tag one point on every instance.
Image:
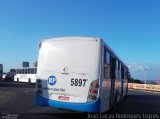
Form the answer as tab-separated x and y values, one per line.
145	75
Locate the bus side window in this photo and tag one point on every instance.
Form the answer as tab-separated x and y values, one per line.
122	72
22	71
25	71
113	67
35	70
125	73
106	64
128	75
117	70
104	55
32	70
29	70
18	71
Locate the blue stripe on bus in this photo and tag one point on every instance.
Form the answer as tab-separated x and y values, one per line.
83	107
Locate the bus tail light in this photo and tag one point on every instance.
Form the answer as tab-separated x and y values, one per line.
39	87
93	91
94	84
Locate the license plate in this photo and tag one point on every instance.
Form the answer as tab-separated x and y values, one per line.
63	98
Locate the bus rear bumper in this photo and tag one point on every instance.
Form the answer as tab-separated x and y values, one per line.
83	107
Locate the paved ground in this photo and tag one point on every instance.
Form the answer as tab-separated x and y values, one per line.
19	98
140	102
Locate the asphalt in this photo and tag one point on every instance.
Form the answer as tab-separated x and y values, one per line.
18	98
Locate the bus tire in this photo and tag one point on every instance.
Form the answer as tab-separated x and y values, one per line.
17	79
29	81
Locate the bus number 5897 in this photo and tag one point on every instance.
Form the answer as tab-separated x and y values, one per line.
78	82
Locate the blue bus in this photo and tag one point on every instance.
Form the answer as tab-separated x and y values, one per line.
79	73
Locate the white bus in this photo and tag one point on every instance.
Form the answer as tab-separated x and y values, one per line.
79	73
26	75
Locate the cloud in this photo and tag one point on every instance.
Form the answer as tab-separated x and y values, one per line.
137	70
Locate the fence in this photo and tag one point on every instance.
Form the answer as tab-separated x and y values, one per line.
148	87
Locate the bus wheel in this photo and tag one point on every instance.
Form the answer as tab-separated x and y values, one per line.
17	79
29	81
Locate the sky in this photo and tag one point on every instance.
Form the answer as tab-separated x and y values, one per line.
130	27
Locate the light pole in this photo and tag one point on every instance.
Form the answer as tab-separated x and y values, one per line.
145	75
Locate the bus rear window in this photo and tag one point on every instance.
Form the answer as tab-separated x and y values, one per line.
70	53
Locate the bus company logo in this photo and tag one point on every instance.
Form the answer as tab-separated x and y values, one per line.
52	80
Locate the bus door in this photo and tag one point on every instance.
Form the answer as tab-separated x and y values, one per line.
112	71
122	77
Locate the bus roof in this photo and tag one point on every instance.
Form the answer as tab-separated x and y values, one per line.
71	38
84	38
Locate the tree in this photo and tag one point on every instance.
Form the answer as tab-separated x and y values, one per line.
138	81
132	80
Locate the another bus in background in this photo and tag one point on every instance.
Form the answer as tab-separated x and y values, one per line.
79	73
26	75
1	71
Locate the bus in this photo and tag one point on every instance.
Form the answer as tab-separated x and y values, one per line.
80	74
26	75
1	71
